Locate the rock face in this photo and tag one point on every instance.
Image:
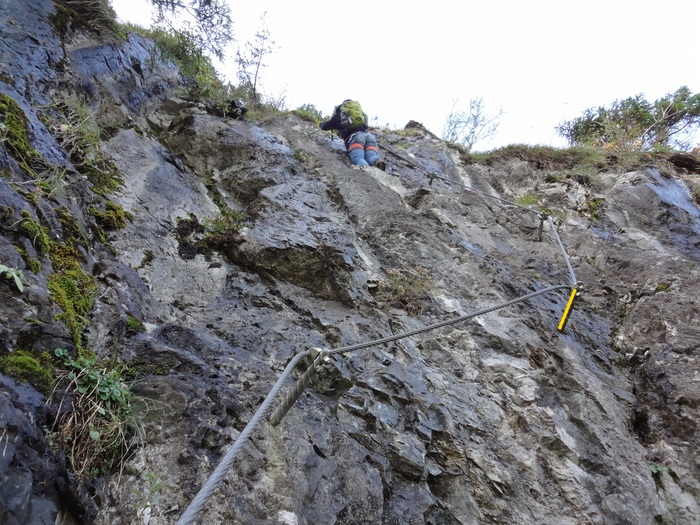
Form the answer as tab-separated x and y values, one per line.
500	418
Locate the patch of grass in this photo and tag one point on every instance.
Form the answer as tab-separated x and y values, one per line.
407	290
527	199
262	112
181	48
309	113
73	125
97	423
24	366
97	16
72	232
579	163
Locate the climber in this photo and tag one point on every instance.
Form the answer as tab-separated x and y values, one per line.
351	122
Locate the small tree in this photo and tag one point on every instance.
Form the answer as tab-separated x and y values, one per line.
469	127
250	59
635	123
207	23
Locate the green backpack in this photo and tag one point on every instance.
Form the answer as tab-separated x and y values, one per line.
351	116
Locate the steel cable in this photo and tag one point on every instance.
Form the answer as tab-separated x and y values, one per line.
224	465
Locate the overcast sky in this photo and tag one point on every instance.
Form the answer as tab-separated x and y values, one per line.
540	62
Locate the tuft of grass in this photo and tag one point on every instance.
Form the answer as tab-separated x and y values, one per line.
73	125
36	233
97	16
97	423
579	163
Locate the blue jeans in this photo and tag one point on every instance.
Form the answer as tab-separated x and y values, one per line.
362	149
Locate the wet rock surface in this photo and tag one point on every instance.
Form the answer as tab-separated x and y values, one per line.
497	419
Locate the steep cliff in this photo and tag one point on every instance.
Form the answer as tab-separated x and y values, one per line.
200	254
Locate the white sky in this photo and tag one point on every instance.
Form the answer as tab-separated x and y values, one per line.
541	61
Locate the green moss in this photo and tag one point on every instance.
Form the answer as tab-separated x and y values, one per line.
71	229
6	215
594	207
13	126
113	218
72	289
133	325
36	233
33	264
22	365
103	175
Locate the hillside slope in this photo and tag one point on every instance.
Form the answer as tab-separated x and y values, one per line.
130	249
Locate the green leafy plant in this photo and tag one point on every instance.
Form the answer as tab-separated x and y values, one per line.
222	230
148	498
97	423
13	274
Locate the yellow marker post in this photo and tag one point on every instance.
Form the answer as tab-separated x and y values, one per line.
567	310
